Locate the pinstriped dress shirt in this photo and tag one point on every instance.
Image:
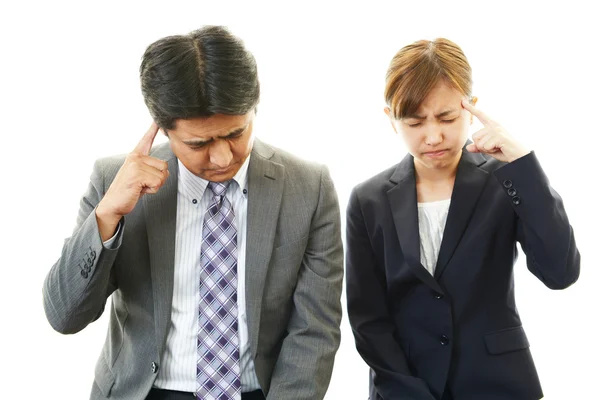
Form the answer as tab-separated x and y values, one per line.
178	370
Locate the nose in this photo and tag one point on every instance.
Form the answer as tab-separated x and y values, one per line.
434	134
220	154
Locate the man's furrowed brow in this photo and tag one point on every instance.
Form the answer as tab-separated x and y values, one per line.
200	142
196	142
235	132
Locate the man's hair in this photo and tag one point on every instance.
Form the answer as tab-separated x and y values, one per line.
207	72
418	67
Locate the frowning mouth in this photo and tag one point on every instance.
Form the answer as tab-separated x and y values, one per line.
221	171
436	154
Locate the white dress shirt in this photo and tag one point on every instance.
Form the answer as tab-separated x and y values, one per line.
432	221
178	369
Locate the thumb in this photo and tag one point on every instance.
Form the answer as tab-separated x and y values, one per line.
472	148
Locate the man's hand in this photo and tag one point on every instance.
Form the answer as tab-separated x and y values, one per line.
139	174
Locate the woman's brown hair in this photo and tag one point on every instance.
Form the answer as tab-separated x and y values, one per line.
418	67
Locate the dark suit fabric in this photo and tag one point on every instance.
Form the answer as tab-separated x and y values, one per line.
460	328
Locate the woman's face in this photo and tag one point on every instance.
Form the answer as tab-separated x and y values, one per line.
436	134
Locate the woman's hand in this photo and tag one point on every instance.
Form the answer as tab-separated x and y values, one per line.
493	139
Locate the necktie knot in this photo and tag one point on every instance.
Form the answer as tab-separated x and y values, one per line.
219	188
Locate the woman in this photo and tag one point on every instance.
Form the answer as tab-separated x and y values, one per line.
431	243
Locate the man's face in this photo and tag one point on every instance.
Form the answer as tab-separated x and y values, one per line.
213	148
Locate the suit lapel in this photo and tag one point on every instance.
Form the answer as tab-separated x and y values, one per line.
265	190
403	202
468	186
161	216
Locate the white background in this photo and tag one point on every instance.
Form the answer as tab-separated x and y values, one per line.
70	93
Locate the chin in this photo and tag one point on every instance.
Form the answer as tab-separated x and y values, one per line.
217	177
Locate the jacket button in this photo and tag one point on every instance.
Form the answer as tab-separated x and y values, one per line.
438	295
154	367
444	340
516	200
512	192
84	273
507	184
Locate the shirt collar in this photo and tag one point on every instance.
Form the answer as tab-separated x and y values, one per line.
193	186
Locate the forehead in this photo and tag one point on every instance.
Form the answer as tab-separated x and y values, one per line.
213	126
442	97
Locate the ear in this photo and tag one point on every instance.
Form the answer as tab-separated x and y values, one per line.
388	112
473	103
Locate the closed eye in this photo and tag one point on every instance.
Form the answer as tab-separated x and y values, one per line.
235	135
449	121
198	146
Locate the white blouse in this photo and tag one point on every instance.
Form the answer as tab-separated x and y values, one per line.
432	221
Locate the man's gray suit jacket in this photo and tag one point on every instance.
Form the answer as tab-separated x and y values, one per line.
294	266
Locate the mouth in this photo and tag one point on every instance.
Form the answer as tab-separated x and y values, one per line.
435	154
222	171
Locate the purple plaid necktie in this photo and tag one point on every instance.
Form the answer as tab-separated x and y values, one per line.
218	368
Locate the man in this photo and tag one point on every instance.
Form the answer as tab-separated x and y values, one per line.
222	254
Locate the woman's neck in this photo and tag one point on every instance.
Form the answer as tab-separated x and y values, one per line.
433	176
434	184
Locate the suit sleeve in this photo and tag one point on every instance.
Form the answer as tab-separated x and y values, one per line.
78	284
543	228
303	369
369	315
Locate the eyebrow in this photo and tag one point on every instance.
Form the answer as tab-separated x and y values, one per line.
440	115
198	142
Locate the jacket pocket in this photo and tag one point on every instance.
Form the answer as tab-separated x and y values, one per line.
506	340
103	376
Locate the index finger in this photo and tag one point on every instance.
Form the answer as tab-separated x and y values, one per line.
144	146
481	116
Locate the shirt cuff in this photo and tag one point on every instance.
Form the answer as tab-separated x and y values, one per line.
110	243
